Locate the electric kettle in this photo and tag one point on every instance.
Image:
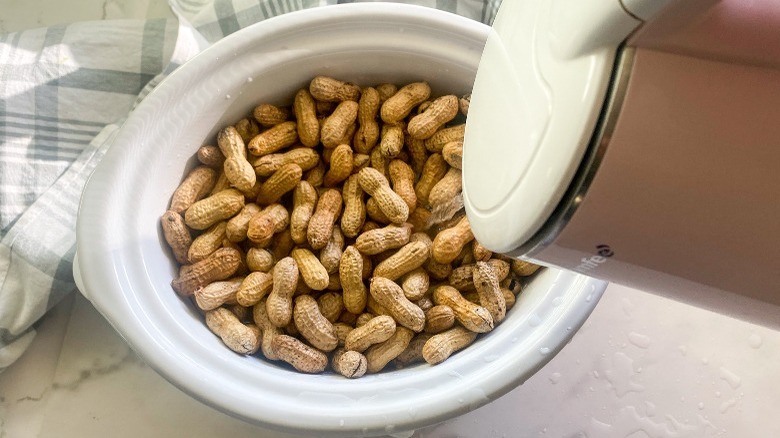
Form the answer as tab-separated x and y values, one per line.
635	141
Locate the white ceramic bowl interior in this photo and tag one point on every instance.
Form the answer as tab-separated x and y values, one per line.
124	268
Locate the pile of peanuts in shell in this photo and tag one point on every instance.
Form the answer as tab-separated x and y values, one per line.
332	232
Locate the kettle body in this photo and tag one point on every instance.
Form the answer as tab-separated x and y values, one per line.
656	162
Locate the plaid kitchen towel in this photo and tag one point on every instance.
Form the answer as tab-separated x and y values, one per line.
64	91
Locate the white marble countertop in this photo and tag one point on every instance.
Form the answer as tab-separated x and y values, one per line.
642	366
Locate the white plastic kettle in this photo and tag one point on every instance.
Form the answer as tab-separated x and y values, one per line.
636	141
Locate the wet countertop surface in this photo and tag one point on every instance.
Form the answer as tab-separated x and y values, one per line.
641	366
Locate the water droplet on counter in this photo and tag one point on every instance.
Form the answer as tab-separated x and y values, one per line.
490	358
718	394
534	320
589	298
596	374
639	340
700	405
227	96
557	301
249	80
732	379
555	378
649	409
620	374
460	400
705	360
726	405
568	328
683	350
755	341
544	350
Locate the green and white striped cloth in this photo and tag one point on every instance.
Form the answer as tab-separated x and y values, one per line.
64	91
